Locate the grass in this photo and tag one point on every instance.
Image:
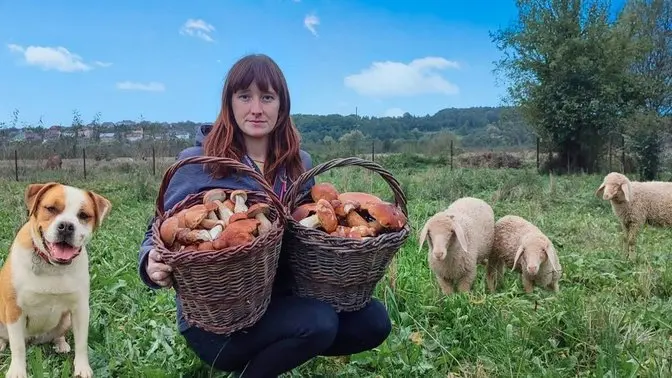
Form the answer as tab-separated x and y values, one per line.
611	318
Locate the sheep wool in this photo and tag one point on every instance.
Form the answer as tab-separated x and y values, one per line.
523	247
459	238
636	203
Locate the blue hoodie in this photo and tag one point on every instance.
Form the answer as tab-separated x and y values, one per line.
192	178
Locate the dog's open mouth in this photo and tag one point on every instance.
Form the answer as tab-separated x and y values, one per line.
62	252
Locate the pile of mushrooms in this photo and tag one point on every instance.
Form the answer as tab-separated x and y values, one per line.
215	224
356	215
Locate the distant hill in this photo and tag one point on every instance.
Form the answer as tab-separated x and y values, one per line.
475	127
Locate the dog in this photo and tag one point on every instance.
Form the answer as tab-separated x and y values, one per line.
44	282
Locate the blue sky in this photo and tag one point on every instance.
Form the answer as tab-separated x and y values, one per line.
166	60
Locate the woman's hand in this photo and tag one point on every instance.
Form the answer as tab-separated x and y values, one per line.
158	271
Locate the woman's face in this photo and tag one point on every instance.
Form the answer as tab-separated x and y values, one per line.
256	112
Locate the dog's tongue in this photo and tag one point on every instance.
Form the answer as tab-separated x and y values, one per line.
63	251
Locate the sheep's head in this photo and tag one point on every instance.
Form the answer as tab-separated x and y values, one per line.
615	186
441	232
533	251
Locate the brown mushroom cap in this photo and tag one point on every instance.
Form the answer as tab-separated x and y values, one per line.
360	197
236	233
304	211
258	208
323	190
195	215
214	194
168	230
388	215
324	217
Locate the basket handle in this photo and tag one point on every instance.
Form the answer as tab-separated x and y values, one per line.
213	159
292	193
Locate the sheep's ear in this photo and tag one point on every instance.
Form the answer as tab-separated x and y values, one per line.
459	233
626	191
599	190
424	233
515	259
552	256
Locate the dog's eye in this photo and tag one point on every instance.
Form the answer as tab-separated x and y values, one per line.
51	209
83	216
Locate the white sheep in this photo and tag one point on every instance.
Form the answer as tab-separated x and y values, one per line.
517	239
636	203
459	238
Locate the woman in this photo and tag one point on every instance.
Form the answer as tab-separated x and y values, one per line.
254	127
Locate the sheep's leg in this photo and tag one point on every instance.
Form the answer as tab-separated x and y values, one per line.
492	275
555	286
632	232
528	285
464	285
446	286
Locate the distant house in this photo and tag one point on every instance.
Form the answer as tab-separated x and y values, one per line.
52	133
183	136
135	135
107	137
85	132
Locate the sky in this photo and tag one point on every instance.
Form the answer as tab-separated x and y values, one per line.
166	61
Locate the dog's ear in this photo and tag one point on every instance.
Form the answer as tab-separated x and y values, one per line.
33	194
101	206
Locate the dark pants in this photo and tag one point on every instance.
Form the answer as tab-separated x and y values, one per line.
292	331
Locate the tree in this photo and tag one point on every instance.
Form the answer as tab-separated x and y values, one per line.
567	70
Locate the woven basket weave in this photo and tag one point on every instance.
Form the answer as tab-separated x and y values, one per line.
223	291
340	271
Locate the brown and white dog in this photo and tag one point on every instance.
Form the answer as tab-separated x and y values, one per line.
44	282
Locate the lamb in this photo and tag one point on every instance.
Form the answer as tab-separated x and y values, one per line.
459	238
517	239
636	203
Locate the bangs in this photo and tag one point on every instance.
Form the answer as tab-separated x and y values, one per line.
260	71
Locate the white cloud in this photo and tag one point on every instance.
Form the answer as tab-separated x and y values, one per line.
393	112
152	86
388	79
198	28
310	22
53	58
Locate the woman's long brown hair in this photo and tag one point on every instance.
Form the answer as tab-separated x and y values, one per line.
225	138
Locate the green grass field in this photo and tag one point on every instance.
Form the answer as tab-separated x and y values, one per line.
611	318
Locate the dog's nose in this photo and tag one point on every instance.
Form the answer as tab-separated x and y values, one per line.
66	228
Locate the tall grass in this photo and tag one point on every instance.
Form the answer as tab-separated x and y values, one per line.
612	316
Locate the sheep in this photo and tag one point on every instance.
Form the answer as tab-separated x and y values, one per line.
636	203
459	238
517	239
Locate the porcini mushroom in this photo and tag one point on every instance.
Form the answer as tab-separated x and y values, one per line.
360	197
347	210
212	195
386	216
324	217
237	233
168	230
239	197
259	211
323	190
304	211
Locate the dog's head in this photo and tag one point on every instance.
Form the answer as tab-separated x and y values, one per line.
63	218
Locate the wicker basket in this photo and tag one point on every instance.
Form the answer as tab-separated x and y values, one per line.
338	270
223	291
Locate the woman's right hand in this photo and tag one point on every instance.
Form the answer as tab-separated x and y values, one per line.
157	271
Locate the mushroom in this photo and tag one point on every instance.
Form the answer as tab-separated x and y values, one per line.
237	233
356	232
195	215
347	209
260	211
304	211
213	226
168	230
187	236
323	190
360	197
239	197
386	216
214	195
324	217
